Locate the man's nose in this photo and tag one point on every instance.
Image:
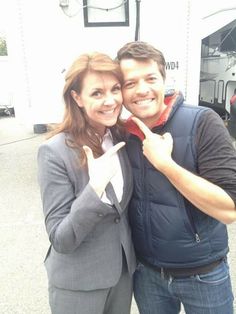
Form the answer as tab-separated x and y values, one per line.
142	88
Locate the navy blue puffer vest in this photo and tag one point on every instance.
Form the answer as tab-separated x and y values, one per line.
168	231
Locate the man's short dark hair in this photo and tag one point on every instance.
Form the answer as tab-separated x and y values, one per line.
142	51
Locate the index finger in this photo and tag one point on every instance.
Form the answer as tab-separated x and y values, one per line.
146	131
111	151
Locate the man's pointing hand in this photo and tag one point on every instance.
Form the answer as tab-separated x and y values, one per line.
157	148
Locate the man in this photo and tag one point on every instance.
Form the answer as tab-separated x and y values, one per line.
184	168
233	98
232	120
233	110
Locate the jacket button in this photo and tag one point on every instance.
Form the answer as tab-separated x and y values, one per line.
117	220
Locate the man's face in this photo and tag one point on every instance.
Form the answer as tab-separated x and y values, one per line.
143	89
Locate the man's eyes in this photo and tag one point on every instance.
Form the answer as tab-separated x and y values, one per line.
128	85
152	79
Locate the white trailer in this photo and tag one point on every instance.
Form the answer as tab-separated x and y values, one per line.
44	37
218	69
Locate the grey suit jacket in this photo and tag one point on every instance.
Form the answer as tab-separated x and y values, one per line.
86	235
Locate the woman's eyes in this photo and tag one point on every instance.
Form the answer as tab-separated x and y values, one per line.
116	88
96	94
99	93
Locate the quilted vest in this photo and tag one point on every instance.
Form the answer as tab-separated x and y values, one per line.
168	231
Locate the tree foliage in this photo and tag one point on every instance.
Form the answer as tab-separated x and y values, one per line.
3	47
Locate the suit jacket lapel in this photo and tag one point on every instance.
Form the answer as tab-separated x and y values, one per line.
111	195
128	183
127	176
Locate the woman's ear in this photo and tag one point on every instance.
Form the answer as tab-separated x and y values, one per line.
76	98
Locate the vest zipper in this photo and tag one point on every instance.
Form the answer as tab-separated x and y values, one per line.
162	273
197	238
145	202
191	220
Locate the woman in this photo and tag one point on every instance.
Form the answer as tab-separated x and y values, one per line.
86	183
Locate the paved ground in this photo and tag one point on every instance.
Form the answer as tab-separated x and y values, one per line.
23	282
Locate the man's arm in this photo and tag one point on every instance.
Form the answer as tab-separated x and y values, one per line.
208	197
216	156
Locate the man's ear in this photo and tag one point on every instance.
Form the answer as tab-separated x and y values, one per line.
76	98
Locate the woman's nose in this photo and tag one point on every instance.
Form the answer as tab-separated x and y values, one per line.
109	101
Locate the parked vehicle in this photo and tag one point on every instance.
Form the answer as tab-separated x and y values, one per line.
218	70
6	104
7	110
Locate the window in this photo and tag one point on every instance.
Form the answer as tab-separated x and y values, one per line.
106	13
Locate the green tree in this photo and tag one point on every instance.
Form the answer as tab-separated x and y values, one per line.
3	47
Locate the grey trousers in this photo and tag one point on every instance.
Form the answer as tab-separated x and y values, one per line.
114	300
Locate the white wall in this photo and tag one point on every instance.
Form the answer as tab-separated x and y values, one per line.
43	41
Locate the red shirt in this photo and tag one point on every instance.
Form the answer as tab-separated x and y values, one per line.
132	127
233	99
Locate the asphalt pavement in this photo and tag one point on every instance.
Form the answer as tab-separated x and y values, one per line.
23	281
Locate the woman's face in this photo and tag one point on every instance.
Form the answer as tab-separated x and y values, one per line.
101	99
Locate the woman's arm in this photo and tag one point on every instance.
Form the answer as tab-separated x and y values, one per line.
69	218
